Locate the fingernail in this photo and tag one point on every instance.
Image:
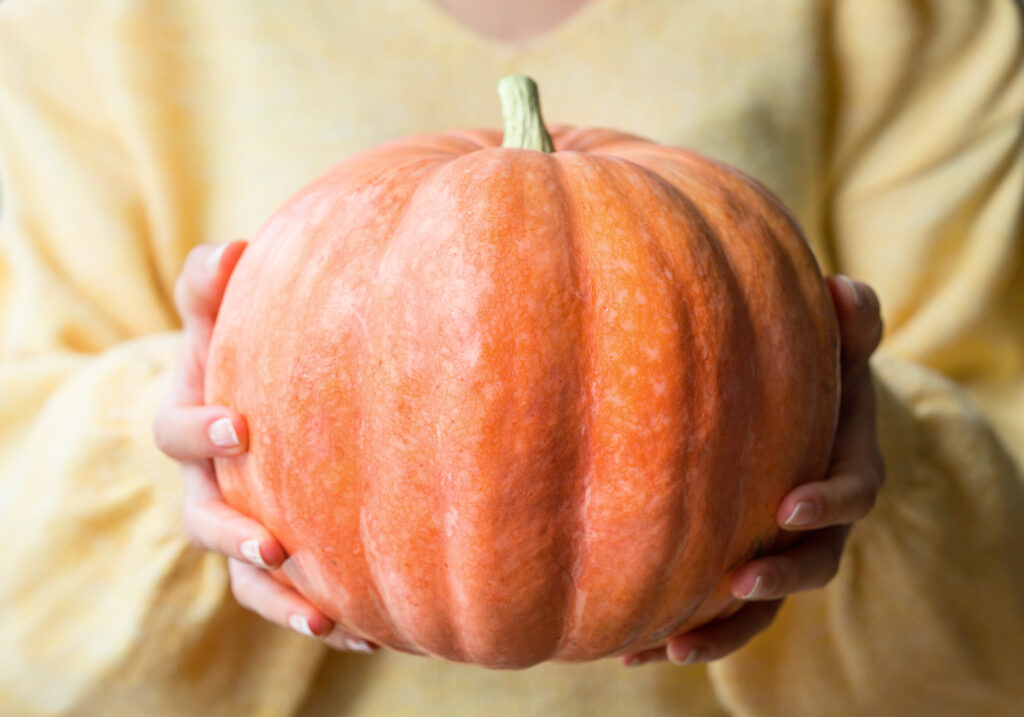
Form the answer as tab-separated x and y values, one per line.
356	645
858	299
695	655
213	261
762	586
802	514
250	550
222	433
300	624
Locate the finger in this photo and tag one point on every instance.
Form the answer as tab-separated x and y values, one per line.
842	499
200	286
860	322
722	637
712	641
339	639
255	590
809	565
214	525
197	295
856	468
655	654
856	448
194	432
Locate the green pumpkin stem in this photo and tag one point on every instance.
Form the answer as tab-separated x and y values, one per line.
520	106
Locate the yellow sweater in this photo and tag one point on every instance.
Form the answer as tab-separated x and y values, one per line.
131	130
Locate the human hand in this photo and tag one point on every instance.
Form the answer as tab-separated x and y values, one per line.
194	434
824	509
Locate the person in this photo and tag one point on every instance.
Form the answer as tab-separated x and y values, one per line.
136	139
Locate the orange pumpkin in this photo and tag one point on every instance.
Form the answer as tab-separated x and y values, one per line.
510	405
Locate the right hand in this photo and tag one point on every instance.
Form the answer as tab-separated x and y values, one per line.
193	433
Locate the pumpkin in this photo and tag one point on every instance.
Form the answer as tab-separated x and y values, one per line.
528	401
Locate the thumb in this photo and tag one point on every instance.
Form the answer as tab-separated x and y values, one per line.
198	292
860	321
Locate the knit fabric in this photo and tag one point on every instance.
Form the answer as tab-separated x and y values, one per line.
133	130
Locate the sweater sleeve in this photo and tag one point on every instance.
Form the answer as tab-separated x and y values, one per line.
103	602
925	612
927	175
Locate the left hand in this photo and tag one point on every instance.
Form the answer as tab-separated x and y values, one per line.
824	509
194	434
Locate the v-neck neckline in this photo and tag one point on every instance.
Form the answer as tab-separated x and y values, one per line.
578	18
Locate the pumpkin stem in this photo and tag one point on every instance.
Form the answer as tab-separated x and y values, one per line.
520	106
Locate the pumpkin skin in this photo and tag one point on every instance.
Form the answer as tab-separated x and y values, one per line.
508	406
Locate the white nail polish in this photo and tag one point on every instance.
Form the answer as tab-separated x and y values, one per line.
222	433
858	300
213	260
356	645
696	655
756	590
250	550
802	514
300	624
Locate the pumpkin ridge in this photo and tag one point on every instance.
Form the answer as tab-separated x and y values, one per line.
735	334
408	220
720	594
567	536
784	265
597	250
397	176
473	225
575	498
682	533
740	310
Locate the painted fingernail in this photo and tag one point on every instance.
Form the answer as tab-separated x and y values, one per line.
250	550
695	655
222	433
300	624
802	514
356	645
213	261
762	586
858	298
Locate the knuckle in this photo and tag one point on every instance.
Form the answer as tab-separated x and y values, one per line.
856	353
871	297
854	361
794	578
831	556
780	575
834	555
181	294
191	524
193	362
242	583
879	467
185	286
193	535
161	432
875	336
829	572
239	588
249	593
195	258
863	501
